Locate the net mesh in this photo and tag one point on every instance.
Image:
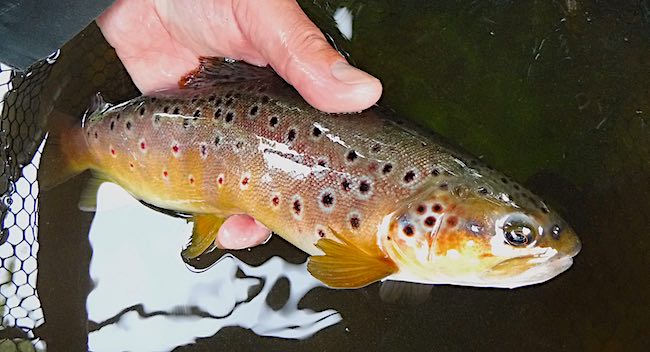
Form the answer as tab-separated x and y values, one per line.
19	304
63	83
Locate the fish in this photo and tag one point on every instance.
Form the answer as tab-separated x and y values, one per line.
368	196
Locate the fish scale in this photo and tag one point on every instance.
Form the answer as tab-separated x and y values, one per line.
246	143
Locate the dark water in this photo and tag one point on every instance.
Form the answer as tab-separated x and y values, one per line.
554	93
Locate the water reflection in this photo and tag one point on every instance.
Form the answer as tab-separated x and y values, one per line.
145	298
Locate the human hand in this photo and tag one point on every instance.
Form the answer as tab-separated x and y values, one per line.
159	41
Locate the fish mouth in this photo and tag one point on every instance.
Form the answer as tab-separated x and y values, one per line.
528	270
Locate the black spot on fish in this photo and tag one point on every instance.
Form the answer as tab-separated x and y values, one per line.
118	116
193	101
95	134
327	199
345	185
177	110
352	156
166	109
253	110
229	102
265	99
376	148
444	186
197	113
435	172
504	180
142	111
273	121
291	135
217	113
112	125
387	169
364	187
217	140
186	123
229	94
218	101
212	98
483	190
128	125
239	144
409	176
229	116
355	222
316	132
322	163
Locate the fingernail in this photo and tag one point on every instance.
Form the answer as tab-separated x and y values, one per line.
346	73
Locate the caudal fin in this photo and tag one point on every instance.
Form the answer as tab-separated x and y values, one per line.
65	153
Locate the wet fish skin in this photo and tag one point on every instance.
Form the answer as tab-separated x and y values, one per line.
347	189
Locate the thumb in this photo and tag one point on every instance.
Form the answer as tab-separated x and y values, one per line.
298	52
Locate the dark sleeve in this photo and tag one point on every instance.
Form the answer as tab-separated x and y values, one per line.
32	29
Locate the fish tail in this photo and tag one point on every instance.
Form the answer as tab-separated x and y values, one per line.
66	153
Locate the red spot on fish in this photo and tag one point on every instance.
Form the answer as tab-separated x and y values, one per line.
244	181
165	173
452	221
220	180
321	233
143	146
275	200
175	148
420	209
191	180
131	165
113	151
297	206
436	208
430	221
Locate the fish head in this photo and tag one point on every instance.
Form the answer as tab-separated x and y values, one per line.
466	238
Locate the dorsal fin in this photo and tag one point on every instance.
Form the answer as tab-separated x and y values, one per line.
97	106
214	71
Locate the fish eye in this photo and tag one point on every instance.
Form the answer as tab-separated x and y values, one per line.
518	232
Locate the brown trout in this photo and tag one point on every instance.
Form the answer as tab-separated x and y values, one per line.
366	196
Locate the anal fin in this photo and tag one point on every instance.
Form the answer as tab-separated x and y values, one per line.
346	265
204	232
407	293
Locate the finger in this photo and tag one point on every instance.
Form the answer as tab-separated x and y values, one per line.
147	50
298	51
240	232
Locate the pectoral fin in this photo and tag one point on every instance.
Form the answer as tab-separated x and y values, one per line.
347	265
206	227
88	200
